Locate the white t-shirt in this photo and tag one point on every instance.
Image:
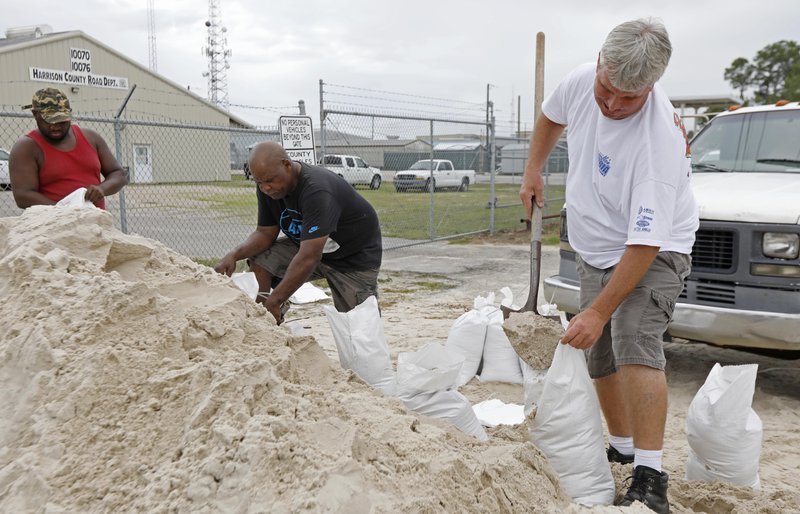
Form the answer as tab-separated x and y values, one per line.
628	180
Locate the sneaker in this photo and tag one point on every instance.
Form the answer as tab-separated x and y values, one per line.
649	487
615	456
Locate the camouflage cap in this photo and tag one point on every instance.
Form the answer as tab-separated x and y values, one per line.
52	104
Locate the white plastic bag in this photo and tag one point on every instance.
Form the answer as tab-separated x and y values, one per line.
723	430
568	429
246	281
77	199
532	386
500	360
466	338
361	344
450	406
308	293
495	412
430	369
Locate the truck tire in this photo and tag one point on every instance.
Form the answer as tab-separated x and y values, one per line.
375	183
430	185
464	184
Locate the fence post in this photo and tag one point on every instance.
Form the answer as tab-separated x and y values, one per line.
492	153
432	189
123	216
321	123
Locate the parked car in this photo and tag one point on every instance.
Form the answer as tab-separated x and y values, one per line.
744	288
353	169
5	176
418	176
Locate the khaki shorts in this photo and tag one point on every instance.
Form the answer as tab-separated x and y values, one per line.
636	330
348	288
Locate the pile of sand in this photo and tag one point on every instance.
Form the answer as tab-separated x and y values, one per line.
134	379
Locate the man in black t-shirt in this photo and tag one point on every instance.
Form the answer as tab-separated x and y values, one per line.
331	232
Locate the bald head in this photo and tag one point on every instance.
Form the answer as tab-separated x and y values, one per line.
273	172
267	153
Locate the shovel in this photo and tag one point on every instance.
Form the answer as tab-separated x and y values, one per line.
535	345
536	258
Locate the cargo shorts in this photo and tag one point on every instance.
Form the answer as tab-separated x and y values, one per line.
348	288
634	335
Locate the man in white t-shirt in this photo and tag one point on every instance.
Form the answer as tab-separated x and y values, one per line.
631	219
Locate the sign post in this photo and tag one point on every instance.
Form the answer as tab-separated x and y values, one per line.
297	138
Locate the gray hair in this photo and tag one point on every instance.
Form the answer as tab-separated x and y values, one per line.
636	53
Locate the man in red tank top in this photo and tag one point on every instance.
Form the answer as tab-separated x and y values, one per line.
57	158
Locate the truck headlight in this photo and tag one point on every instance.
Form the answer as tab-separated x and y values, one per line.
780	245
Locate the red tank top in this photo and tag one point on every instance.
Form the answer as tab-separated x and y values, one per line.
63	172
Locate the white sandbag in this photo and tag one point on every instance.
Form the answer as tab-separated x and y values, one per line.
246	281
76	199
450	406
361	344
495	412
532	386
723	430
500	360
308	293
466	338
427	370
568	429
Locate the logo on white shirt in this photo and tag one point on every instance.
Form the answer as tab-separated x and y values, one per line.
603	163
643	219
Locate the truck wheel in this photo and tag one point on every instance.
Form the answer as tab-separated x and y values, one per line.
376	182
430	185
464	184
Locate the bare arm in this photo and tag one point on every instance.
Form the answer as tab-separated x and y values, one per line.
301	267
23	167
257	242
585	329
115	177
543	140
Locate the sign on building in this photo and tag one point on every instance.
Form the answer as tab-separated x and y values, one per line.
78	74
297	138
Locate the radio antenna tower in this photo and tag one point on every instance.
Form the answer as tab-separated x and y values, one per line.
218	54
151	36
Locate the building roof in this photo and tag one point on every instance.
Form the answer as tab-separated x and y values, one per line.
23	42
700	101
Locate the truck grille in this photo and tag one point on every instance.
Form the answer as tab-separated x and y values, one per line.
710	292
713	250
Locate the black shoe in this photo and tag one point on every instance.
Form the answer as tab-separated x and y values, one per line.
615	456
649	487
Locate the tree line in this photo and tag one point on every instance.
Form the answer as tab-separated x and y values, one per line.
772	75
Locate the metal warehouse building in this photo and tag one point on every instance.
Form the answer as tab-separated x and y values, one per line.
165	133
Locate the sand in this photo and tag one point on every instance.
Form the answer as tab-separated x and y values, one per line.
137	380
534	337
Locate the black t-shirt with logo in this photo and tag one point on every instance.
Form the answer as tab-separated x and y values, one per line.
323	204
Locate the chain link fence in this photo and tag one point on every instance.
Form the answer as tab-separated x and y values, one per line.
188	188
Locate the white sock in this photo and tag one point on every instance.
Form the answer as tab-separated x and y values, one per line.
624	445
649	458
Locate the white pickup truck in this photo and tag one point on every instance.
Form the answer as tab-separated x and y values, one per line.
744	288
430	175
353	169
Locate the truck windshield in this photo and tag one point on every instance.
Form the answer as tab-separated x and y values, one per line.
421	165
760	142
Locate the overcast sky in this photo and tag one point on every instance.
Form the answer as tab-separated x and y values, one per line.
434	49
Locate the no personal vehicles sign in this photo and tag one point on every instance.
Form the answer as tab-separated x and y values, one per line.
297	138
